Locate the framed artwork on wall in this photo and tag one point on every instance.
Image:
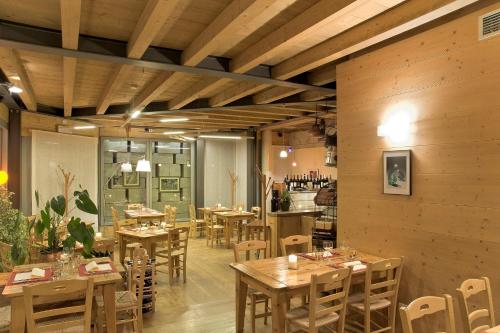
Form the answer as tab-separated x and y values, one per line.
169	184
397	172
130	179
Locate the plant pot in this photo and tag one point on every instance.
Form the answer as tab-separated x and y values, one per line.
52	256
285	206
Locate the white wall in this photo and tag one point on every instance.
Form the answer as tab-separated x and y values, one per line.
220	157
76	154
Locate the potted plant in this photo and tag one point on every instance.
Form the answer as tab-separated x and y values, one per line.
62	230
285	201
13	229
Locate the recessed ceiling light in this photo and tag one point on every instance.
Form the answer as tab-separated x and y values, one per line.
83	127
135	114
173	120
174	133
15	90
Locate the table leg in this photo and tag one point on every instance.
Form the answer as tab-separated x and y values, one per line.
148	245
121	246
278	305
229	232
241	298
18	316
109	306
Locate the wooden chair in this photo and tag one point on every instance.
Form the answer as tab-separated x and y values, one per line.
256	211
7	264
428	305
469	288
381	288
172	217
328	302
256	297
175	253
119	224
295	240
60	315
129	302
195	225
214	231
115	215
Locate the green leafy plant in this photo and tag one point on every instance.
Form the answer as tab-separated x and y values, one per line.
285	201
13	228
64	231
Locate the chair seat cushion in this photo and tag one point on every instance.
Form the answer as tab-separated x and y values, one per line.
4	317
300	316
356	301
74	329
123	300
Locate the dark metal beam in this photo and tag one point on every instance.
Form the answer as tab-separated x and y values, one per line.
34	39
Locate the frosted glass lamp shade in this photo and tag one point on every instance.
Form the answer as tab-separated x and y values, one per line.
143	166
283	154
127	167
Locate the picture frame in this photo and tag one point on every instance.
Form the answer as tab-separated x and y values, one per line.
397	172
169	184
131	179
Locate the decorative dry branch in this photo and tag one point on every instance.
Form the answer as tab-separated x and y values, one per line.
68	179
234	181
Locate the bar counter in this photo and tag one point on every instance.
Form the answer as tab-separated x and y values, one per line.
294	222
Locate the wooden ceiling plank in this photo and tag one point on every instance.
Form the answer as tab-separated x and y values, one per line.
202	88
294	31
152	18
236	92
295	122
270	111
274	94
13	62
70	29
400	19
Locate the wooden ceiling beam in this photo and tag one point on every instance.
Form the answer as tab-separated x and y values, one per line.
70	29
200	89
236	116
291	33
323	75
296	122
152	19
270	111
407	16
12	64
315	96
236	92
274	94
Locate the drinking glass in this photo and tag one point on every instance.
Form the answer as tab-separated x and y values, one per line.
352	254
328	245
57	268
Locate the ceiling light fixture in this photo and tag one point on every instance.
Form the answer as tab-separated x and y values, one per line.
15	90
126	167
229	137
283	152
189	138
135	114
143	165
173	120
84	127
174	133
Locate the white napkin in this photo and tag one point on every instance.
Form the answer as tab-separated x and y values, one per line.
34	273
37	273
92	267
356	265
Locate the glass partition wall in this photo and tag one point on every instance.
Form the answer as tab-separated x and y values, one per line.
168	183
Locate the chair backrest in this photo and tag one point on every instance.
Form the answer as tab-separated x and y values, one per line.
469	288
114	214
5	257
382	281
336	285
173	215
428	305
256	211
134	206
138	275
295	240
248	246
207	216
166	211
118	224
192	213
74	315
178	240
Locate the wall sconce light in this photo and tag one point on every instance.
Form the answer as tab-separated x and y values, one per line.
397	126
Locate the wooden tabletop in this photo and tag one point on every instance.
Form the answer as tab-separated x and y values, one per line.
143	213
215	209
274	272
138	233
99	279
234	214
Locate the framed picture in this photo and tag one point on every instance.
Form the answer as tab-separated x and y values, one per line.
169	184
130	179
397	172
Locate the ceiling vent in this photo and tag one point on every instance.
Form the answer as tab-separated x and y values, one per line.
489	25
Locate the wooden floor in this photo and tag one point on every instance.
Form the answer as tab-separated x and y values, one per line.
206	302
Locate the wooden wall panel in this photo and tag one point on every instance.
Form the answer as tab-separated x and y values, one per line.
449	229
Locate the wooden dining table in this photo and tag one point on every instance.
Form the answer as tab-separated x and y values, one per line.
144	214
147	237
231	219
107	281
273	278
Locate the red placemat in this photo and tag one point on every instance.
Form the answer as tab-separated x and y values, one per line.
341	265
48	276
310	257
83	272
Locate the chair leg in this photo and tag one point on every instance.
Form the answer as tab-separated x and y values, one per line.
252	312
184	269
266	303
367	322
139	320
170	270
